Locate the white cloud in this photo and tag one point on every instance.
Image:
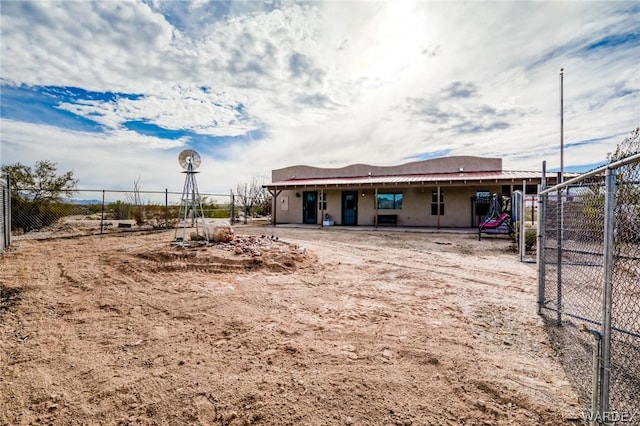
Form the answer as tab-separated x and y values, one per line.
98	160
328	83
183	108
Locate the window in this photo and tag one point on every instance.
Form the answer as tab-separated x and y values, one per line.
322	203
435	203
390	201
483	202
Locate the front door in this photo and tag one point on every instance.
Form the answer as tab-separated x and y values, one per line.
310	207
349	208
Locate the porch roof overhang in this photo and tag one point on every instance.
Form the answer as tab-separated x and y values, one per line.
460	178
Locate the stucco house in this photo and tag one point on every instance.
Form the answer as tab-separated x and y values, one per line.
440	192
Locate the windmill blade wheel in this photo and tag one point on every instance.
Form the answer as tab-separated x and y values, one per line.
189	156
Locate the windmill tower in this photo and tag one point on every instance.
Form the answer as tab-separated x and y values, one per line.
191	212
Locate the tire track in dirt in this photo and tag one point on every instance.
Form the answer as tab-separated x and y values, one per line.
383	329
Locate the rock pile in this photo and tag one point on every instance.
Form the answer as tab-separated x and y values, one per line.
256	246
220	233
264	246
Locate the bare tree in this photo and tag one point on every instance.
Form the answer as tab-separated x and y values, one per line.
242	195
261	198
251	196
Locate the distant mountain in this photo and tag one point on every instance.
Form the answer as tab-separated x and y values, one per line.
82	202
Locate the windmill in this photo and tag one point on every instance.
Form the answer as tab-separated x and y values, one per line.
191	212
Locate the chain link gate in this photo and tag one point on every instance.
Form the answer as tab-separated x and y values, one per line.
589	286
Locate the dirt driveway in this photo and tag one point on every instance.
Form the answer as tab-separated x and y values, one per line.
282	327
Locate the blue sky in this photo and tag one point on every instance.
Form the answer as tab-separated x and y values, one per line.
115	90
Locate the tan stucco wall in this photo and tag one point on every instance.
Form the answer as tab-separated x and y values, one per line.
436	165
334	207
416	209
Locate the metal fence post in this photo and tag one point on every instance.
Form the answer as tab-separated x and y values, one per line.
559	258
523	228
232	209
542	229
166	208
102	213
9	210
3	216
609	224
595	381
540	248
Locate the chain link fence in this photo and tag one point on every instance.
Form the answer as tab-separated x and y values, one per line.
5	213
589	285
107	211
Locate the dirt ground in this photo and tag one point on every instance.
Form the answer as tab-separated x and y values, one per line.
283	326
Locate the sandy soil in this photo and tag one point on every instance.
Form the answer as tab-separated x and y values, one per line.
284	327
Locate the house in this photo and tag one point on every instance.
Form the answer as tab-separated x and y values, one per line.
440	192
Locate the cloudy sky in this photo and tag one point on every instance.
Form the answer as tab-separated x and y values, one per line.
114	90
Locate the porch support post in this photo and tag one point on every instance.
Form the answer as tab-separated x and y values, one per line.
274	205
438	206
321	208
375	207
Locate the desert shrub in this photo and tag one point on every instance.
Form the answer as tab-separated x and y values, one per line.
213	210
37	194
174	213
530	236
222	212
94	208
139	215
120	210
264	208
530	239
157	216
628	191
86	209
30	215
593	213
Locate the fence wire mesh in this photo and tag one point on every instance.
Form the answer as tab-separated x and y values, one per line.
108	211
5	213
590	240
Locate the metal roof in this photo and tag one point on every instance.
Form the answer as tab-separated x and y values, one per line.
417	179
